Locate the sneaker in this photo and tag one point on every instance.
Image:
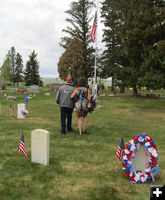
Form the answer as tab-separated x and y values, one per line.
63	132
70	130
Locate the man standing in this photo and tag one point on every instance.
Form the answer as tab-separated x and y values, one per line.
63	98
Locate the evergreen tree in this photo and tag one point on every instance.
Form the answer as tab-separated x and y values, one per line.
114	14
18	68
32	76
72	59
79	19
133	30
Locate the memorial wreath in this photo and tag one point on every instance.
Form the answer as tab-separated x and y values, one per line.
151	166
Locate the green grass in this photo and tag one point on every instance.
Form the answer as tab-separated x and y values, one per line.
81	168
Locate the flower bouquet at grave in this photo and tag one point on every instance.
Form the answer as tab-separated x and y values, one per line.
10	98
92	104
13	98
29	96
25	112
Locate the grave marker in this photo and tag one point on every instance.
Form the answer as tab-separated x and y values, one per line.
21	107
40	146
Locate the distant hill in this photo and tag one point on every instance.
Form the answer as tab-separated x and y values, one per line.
48	80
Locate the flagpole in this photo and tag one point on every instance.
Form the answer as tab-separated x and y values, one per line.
95	67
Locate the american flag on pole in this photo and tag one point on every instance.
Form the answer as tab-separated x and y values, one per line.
22	147
69	76
120	150
10	109
94	29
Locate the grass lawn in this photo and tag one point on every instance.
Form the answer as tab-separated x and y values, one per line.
84	167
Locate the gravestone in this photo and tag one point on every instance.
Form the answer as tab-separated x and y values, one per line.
102	95
140	159
20	108
40	146
34	89
47	94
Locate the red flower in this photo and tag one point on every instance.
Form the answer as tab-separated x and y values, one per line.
127	174
133	178
135	138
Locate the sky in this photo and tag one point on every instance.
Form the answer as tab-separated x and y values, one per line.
35	25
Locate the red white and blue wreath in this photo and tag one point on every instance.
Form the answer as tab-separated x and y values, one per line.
127	154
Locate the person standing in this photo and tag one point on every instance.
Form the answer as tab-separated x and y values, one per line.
63	98
82	97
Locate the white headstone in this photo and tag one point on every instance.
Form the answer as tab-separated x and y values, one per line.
21	107
40	146
34	89
140	159
102	95
47	94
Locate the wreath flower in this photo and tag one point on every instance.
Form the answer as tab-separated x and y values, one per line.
25	112
151	166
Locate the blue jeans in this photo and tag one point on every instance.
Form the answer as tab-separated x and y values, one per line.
66	113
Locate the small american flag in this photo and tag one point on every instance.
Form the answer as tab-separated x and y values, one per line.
22	147
69	76
120	150
94	28
10	109
26	98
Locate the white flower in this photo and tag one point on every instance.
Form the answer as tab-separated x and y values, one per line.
137	177
143	178
141	139
126	151
148	169
147	144
153	152
133	147
125	157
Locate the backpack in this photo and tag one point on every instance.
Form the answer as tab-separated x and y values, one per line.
82	103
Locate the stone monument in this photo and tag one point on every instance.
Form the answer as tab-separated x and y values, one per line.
21	108
140	159
40	146
34	89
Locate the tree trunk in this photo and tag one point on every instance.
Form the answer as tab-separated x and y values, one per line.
112	87
122	89
134	90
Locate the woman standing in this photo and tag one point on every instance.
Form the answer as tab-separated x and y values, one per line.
82	97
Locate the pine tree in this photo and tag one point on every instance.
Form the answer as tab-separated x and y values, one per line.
18	68
145	29
72	59
79	19
32	76
114	14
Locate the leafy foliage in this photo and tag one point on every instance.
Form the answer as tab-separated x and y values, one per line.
5	69
72	59
79	19
11	55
